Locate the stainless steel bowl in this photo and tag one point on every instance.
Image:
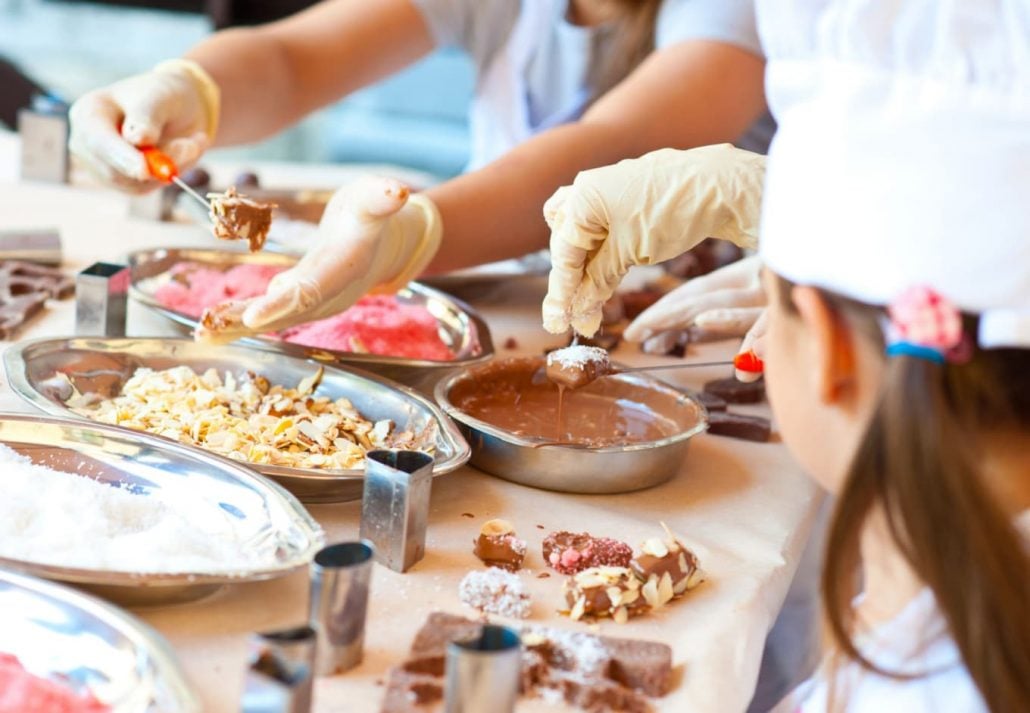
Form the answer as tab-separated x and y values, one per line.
57	632
268	519
578	469
460	327
101	365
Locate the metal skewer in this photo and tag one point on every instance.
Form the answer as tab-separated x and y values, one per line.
163	168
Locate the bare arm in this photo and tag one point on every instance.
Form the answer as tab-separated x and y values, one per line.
690	94
273	75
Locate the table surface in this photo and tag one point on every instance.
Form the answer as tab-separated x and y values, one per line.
745	508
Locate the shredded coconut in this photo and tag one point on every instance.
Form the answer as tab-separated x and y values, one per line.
495	591
63	519
578	355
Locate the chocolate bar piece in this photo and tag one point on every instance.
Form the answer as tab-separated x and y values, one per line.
595	673
737	392
711	401
738	425
497	546
572	552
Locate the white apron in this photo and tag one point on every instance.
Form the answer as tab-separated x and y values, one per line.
499	115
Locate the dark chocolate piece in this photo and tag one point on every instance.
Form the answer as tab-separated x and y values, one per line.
248	179
24	289
710	401
511	343
572	552
737	392
197	178
738	425
602	340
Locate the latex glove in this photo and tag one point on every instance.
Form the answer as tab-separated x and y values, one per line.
175	107
726	301
372	238
640	212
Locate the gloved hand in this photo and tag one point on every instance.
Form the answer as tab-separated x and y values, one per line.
175	107
372	238
729	301
640	212
726	301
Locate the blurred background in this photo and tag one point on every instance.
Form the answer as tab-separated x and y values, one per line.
66	47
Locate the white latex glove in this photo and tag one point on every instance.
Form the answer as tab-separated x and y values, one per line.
174	107
372	237
640	212
726	301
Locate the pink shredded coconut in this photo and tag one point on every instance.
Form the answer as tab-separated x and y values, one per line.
21	691
375	325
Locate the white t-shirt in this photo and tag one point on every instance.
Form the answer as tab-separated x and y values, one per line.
557	73
914	642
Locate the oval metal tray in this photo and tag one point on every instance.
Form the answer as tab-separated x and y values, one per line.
267	518
57	632
571	468
102	365
460	327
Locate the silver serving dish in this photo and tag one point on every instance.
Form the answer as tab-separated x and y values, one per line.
259	512
102	365
62	634
578	469
460	327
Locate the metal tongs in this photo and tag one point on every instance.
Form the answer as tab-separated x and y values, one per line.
163	168
748	362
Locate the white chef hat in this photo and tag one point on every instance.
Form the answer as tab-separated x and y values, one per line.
902	156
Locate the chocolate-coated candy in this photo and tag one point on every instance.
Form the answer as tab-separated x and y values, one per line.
738	425
247	179
571	552
497	546
614	592
668	569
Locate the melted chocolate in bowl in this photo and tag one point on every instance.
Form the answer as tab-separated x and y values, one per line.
515	395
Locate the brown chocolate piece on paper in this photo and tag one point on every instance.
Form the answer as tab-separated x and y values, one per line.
24	289
635	302
738	425
596	673
734	391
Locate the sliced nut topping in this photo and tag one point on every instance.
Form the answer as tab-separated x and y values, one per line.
578	608
620	615
650	592
655	548
665	592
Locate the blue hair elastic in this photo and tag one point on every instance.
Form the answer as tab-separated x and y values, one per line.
916	350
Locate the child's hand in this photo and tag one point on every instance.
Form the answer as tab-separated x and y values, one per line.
641	212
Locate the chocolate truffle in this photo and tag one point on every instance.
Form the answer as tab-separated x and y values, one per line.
498	546
666	568
577	366
495	591
737	425
571	552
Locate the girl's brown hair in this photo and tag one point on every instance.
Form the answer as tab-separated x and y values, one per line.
920	462
634	29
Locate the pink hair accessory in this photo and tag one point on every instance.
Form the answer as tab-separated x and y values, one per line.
921	317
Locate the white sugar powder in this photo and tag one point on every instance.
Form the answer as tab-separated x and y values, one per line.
578	355
53	517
